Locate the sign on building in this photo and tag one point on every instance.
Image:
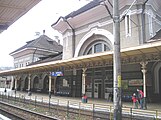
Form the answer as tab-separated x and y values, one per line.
55	74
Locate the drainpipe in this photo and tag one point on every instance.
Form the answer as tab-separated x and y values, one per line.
73	35
33	55
143	22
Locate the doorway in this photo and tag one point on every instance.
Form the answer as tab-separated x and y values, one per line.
26	84
46	84
159	84
98	88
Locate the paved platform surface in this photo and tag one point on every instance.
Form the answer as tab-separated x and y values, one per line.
150	106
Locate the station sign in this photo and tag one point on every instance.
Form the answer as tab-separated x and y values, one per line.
55	74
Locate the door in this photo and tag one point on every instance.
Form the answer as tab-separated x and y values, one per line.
98	88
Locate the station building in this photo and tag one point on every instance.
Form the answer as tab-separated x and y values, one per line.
89	30
10	12
87	60
36	51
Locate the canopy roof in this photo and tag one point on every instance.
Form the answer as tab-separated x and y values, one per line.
82	61
12	10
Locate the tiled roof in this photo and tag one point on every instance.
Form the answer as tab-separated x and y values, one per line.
43	42
85	8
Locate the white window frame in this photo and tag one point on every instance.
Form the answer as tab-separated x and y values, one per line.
150	18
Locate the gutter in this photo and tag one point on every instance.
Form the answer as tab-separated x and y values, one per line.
34	55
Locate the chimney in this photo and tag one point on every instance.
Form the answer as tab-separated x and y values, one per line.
43	32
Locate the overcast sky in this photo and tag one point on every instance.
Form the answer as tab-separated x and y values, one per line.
39	18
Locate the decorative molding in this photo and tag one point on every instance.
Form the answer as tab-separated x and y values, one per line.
89	34
101	24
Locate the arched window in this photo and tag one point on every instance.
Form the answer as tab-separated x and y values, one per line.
97	47
90	51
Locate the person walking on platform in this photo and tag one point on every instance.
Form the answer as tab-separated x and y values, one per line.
141	98
84	98
135	101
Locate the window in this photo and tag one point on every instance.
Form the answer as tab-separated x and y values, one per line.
36	59
27	63
106	48
65	83
128	25
16	65
150	18
90	51
97	47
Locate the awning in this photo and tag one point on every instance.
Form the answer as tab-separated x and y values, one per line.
12	10
142	50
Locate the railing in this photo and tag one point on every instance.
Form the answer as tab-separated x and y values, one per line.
71	108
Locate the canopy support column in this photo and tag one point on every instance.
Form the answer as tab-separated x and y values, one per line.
54	85
144	70
12	83
16	84
29	85
83	80
49	85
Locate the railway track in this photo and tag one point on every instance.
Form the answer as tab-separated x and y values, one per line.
18	113
64	109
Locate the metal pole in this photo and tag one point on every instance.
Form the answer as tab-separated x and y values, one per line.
117	62
49	89
49	85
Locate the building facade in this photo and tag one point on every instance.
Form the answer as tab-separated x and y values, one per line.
89	30
86	65
41	49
